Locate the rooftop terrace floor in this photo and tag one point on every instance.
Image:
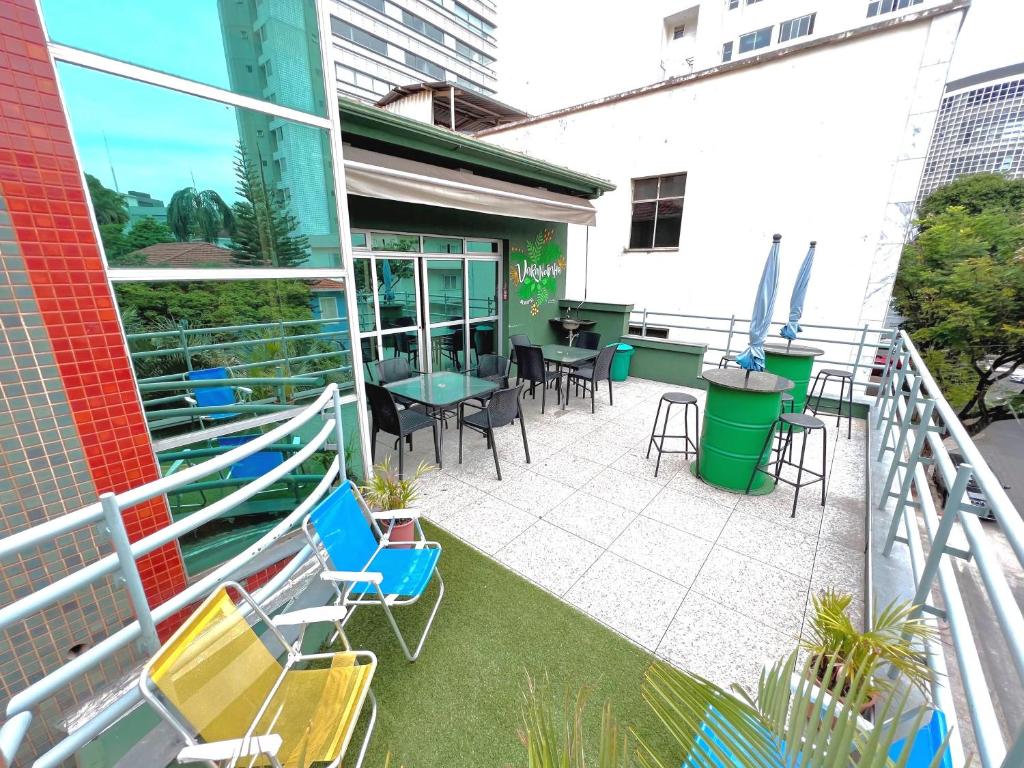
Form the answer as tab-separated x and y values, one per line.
714	582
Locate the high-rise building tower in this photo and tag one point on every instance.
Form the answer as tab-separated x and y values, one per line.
383	44
980	127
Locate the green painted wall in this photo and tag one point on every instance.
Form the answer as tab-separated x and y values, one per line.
668	361
610	320
537	243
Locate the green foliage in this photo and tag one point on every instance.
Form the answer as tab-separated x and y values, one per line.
550	746
789	723
891	641
386	491
122	247
109	206
961	289
194	214
264	234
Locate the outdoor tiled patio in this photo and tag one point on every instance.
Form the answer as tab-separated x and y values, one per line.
714	582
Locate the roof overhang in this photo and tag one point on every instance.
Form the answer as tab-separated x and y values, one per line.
373	174
457	108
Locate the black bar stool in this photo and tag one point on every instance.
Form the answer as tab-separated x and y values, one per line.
689	444
845	379
788	403
808	424
726	359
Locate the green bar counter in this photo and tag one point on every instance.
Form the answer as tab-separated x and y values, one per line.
793	362
740	409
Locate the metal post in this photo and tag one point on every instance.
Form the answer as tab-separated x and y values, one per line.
339	435
183	340
901	443
643	327
893	409
950	514
287	362
728	339
860	353
921	434
884	392
129	571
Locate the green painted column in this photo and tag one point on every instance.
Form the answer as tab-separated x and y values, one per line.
738	415
793	362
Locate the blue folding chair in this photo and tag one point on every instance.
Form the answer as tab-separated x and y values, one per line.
210	396
367	569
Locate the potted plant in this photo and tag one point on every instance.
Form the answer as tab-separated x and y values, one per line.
386	491
839	651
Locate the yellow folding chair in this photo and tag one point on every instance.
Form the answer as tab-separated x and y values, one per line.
239	698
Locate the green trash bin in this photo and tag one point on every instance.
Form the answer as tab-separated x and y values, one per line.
620	362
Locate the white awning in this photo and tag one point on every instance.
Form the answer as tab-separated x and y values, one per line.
372	174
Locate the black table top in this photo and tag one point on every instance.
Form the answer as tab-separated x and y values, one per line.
749	381
793	350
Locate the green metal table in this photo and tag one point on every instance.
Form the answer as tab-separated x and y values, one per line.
794	362
440	392
740	409
566	357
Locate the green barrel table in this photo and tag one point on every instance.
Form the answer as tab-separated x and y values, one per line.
793	362
739	411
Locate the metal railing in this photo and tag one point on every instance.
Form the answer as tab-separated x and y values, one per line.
106	514
851	347
918	428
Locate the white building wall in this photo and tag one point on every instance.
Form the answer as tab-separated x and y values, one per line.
825	144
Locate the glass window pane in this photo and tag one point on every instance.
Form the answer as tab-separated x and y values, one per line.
365	289
388	242
197	177
483	288
445	289
673	186
670	216
481	246
645	189
482	339
358	239
442	245
448	347
225	44
396	292
641	232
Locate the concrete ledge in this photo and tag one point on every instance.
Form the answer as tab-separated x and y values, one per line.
673	362
599	306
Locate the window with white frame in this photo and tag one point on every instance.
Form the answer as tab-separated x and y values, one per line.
678	31
798	27
727	51
657	212
759	38
328	307
888	6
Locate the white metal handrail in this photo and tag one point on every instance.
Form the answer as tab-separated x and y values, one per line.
20	709
916	424
863	339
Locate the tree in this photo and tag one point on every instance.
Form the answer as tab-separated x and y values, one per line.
109	206
960	287
265	231
124	250
195	214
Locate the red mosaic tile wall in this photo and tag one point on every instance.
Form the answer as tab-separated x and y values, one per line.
43	186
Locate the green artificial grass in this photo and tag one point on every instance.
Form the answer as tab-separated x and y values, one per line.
460	703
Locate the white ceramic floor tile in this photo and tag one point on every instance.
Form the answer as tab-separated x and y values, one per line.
629	599
443	494
574	471
785	548
626	490
777	507
756	590
532	492
668	552
549	556
688	512
488	524
719	644
591	518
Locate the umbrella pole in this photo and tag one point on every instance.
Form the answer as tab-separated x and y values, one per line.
746	378
789	344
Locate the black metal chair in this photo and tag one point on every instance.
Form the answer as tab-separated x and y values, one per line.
657	441
530	368
517	340
452	346
587	340
392	369
402	424
845	379
493	368
784	424
503	407
588	376
406	345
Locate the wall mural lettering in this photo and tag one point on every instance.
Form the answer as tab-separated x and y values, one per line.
534	271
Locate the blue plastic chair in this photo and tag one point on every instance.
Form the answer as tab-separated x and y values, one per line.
256	465
364	567
210	396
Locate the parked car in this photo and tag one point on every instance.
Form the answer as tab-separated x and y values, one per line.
975	496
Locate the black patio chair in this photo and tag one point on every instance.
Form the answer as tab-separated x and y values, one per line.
494	368
402	424
406	345
392	369
482	342
586	340
503	407
588	376
517	340
530	368
453	345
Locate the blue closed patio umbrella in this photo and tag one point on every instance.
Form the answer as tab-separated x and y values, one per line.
388	279
752	358
796	300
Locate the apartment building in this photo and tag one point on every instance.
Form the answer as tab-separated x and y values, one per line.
380	45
